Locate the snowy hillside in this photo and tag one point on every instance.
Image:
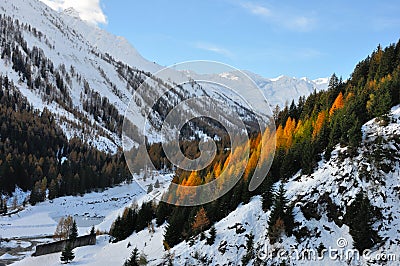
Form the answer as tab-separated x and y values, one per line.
85	76
72	68
320	202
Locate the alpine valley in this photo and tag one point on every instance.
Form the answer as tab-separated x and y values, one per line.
332	193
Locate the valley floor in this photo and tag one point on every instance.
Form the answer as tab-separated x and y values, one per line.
21	231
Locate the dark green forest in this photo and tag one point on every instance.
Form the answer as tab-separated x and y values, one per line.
35	154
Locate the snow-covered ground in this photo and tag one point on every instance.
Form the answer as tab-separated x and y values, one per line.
97	208
337	179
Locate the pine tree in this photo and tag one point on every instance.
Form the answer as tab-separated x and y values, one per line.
267	194
250	249
52	189
360	218
337	104
163	211
63	228
172	235
149	189
92	230
175	227
73	234
281	219
157	184
213	234
67	255
133	259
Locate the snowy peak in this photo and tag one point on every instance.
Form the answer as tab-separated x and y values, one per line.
228	75
277	91
283	89
321	81
277	78
71	12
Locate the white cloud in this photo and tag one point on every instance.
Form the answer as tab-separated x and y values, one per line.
257	9
280	17
89	10
213	48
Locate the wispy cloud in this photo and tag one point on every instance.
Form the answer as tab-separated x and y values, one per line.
257	9
280	18
213	48
89	10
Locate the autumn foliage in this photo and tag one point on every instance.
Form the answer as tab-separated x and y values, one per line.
201	221
337	104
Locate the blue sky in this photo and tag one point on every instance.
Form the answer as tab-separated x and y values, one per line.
295	38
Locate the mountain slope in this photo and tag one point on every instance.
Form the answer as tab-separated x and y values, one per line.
85	76
91	67
320	201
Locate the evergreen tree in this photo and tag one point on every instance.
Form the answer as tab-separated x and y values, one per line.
267	194
133	259
163	211
92	230
145	214
250	249
360	216
149	189
67	255
157	184
175	227
281	219
73	234
213	234
116	230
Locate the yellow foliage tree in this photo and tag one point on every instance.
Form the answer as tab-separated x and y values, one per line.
217	170
280	139
252	163
288	131
193	179
337	104
319	123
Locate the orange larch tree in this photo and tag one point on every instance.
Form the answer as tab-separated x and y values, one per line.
319	123
337	104
200	221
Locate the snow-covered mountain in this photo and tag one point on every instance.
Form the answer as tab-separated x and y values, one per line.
283	89
84	67
277	91
85	76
